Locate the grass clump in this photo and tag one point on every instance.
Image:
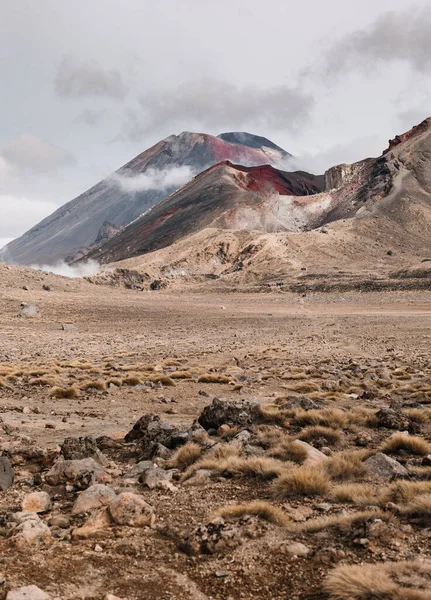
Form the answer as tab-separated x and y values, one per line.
163	379
213	378
93	385
412	444
341	521
314	432
132	380
301	481
181	375
345	466
356	493
259	508
185	456
63	392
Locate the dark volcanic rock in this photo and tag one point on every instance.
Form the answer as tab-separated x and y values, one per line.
74	448
7	474
391	418
221	412
153	435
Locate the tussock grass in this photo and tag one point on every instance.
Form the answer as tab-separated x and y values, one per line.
114	381
418	415
237	466
181	375
287	450
345	466
418	508
301	481
213	378
92	385
314	432
51	381
132	380
412	444
163	379
328	417
304	387
356	493
294	375
341	521
405	491
63	392
259	508
390	581
271	413
3	383
185	456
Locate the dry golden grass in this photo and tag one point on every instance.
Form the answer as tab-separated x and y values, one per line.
185	456
405	491
181	375
304	387
99	385
287	450
51	381
356	493
314	432
270	413
173	362
412	444
418	415
259	508
114	381
213	378
62	392
132	380
163	379
3	383
345	466
328	417
294	376
237	466
301	481
341	521
418	508
390	581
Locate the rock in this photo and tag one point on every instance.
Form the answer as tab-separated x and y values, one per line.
132	510
426	461
156	478
46	287
96	496
385	466
82	473
296	549
390	418
37	502
68	327
27	410
221	412
7	474
139	468
75	448
60	521
21	449
223	429
201	477
30	592
111	597
363	439
29	311
301	402
30	530
314	456
149	431
94	525
243	436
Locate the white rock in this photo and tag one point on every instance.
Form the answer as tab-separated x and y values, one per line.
31	592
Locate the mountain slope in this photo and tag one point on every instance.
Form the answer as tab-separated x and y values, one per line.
376	215
116	201
225	195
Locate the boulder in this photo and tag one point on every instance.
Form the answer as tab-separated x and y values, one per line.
75	448
30	592
30	530
7	474
37	502
149	431
68	327
95	524
155	478
82	473
384	466
221	412
132	510
96	496
29	311
314	456
391	418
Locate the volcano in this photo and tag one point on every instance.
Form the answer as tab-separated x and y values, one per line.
110	205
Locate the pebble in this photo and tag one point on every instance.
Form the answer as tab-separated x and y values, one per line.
37	502
132	510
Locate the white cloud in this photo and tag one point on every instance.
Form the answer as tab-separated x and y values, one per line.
28	151
88	78
153	179
21	213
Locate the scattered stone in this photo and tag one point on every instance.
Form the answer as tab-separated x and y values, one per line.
139	468
68	327
46	287
82	473
98	548
37	502
301	402
96	523
221	412
243	436
390	418
314	456
75	448
155	478
426	461
7	474
385	466
30	530
29	311
132	510
363	439
27	410
296	549
221	574
30	592
111	597
60	521
96	496
155	436
201	477
223	429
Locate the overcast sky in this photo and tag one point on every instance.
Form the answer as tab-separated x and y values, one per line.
87	85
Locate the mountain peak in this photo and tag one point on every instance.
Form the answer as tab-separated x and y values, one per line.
243	138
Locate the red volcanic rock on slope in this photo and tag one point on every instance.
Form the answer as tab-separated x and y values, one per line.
122	197
225	195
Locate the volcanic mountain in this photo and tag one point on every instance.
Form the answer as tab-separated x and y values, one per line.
261	223
114	202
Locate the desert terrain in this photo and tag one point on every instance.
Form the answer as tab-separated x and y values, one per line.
232	506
